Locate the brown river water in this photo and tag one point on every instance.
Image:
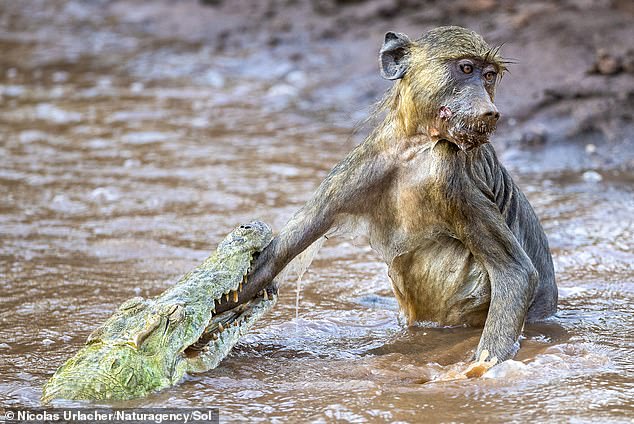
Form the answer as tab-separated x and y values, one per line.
118	175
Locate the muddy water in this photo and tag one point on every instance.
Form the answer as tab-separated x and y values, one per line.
118	175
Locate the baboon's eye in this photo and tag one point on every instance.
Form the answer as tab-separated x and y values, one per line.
467	68
490	76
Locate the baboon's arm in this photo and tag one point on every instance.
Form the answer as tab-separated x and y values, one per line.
346	190
511	273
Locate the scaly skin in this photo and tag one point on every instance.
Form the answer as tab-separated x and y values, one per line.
148	345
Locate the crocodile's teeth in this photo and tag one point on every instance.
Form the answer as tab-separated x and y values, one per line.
265	295
240	286
227	296
235	296
220	327
134	342
215	336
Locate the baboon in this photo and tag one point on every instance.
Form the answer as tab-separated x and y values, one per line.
462	243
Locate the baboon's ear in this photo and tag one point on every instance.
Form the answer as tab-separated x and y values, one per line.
394	55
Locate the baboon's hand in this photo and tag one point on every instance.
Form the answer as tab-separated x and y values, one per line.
478	368
475	369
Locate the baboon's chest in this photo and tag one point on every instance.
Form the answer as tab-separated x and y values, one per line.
422	201
434	275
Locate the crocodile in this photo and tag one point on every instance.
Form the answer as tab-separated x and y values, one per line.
150	344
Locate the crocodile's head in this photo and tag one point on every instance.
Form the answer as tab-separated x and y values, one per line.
149	344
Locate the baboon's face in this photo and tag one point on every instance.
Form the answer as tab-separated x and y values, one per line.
448	79
466	114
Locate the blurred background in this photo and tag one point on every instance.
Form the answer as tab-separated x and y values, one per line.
135	134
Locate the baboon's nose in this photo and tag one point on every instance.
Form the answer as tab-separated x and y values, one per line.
491	115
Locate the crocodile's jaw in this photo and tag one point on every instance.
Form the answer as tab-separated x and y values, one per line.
141	377
209	356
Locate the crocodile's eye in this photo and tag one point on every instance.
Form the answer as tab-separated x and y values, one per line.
466	68
176	313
